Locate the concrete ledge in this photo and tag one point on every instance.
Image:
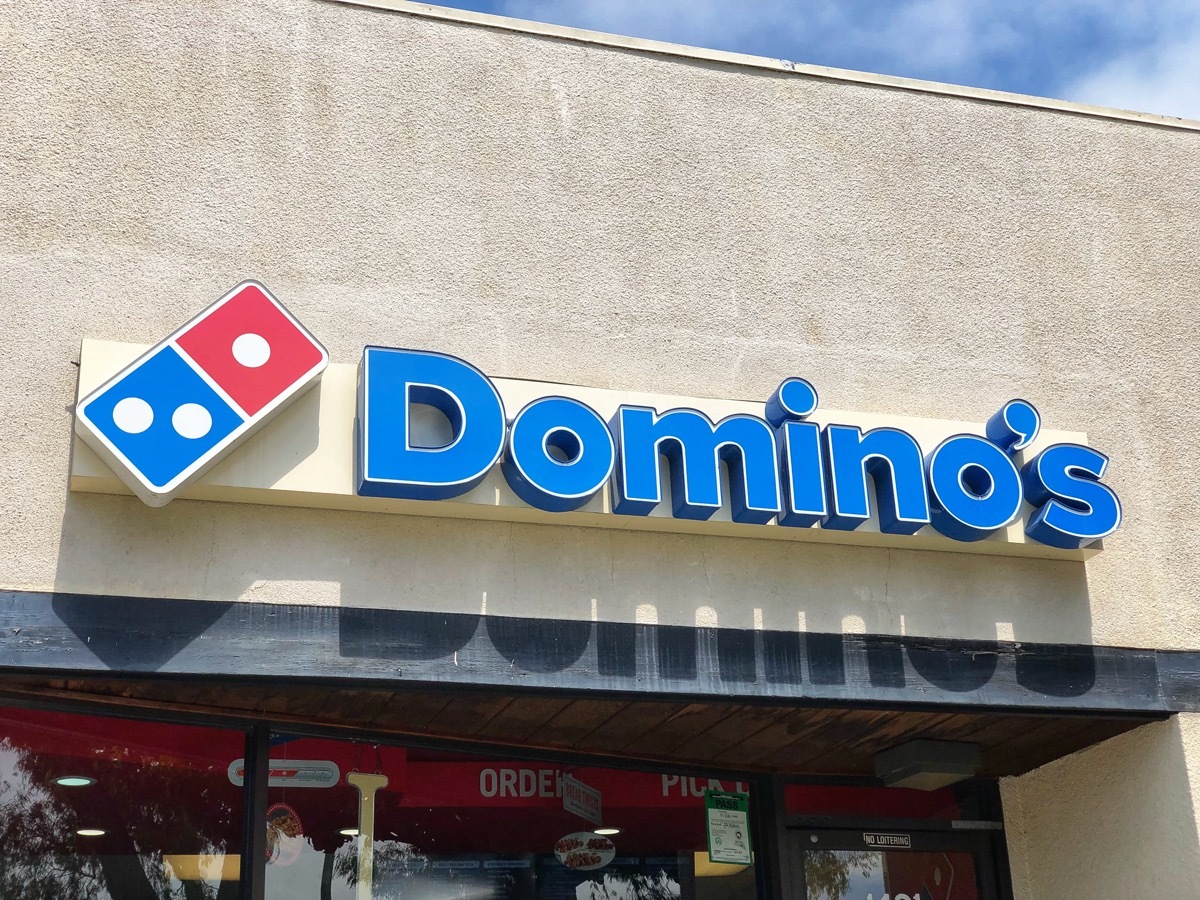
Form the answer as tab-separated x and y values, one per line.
663	48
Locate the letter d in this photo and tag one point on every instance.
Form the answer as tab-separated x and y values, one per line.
391	460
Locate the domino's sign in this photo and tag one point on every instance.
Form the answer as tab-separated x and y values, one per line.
176	411
164	420
557	453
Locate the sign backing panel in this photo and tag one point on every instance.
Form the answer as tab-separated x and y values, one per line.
305	457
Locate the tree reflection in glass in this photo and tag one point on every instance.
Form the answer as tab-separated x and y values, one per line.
163	809
828	873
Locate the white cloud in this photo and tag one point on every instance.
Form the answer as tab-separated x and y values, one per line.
941	32
1164	78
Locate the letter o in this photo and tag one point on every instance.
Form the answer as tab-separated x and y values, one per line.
488	782
560	454
974	487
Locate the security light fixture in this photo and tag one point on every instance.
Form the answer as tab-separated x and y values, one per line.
607	831
927	765
349	832
74	781
91	832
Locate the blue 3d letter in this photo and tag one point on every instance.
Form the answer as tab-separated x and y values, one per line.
893	460
800	464
392	460
560	453
974	487
695	449
1073	508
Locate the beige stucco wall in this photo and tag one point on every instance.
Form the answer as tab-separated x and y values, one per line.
554	210
1116	820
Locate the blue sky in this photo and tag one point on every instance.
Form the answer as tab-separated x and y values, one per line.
1136	54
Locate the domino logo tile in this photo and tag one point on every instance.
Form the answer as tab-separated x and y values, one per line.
182	406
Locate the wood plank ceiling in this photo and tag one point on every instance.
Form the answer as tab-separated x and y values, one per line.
722	736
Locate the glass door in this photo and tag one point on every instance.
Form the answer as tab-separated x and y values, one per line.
861	864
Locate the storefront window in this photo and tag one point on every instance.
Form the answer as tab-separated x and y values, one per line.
100	808
95	808
446	825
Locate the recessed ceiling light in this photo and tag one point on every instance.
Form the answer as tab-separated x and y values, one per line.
349	832
74	781
90	832
607	831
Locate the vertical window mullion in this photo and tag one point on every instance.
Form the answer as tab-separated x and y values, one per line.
257	769
769	836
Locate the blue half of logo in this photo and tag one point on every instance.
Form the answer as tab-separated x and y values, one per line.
162	417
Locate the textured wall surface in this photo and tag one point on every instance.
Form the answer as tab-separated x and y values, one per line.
1117	820
553	210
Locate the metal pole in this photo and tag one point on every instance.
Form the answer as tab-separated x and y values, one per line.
367	785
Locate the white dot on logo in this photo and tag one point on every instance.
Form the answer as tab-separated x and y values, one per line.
251	350
192	421
133	415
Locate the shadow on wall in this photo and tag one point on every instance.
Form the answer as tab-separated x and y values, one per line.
217	551
812	599
1116	820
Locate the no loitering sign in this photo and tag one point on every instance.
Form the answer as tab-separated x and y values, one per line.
887	841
